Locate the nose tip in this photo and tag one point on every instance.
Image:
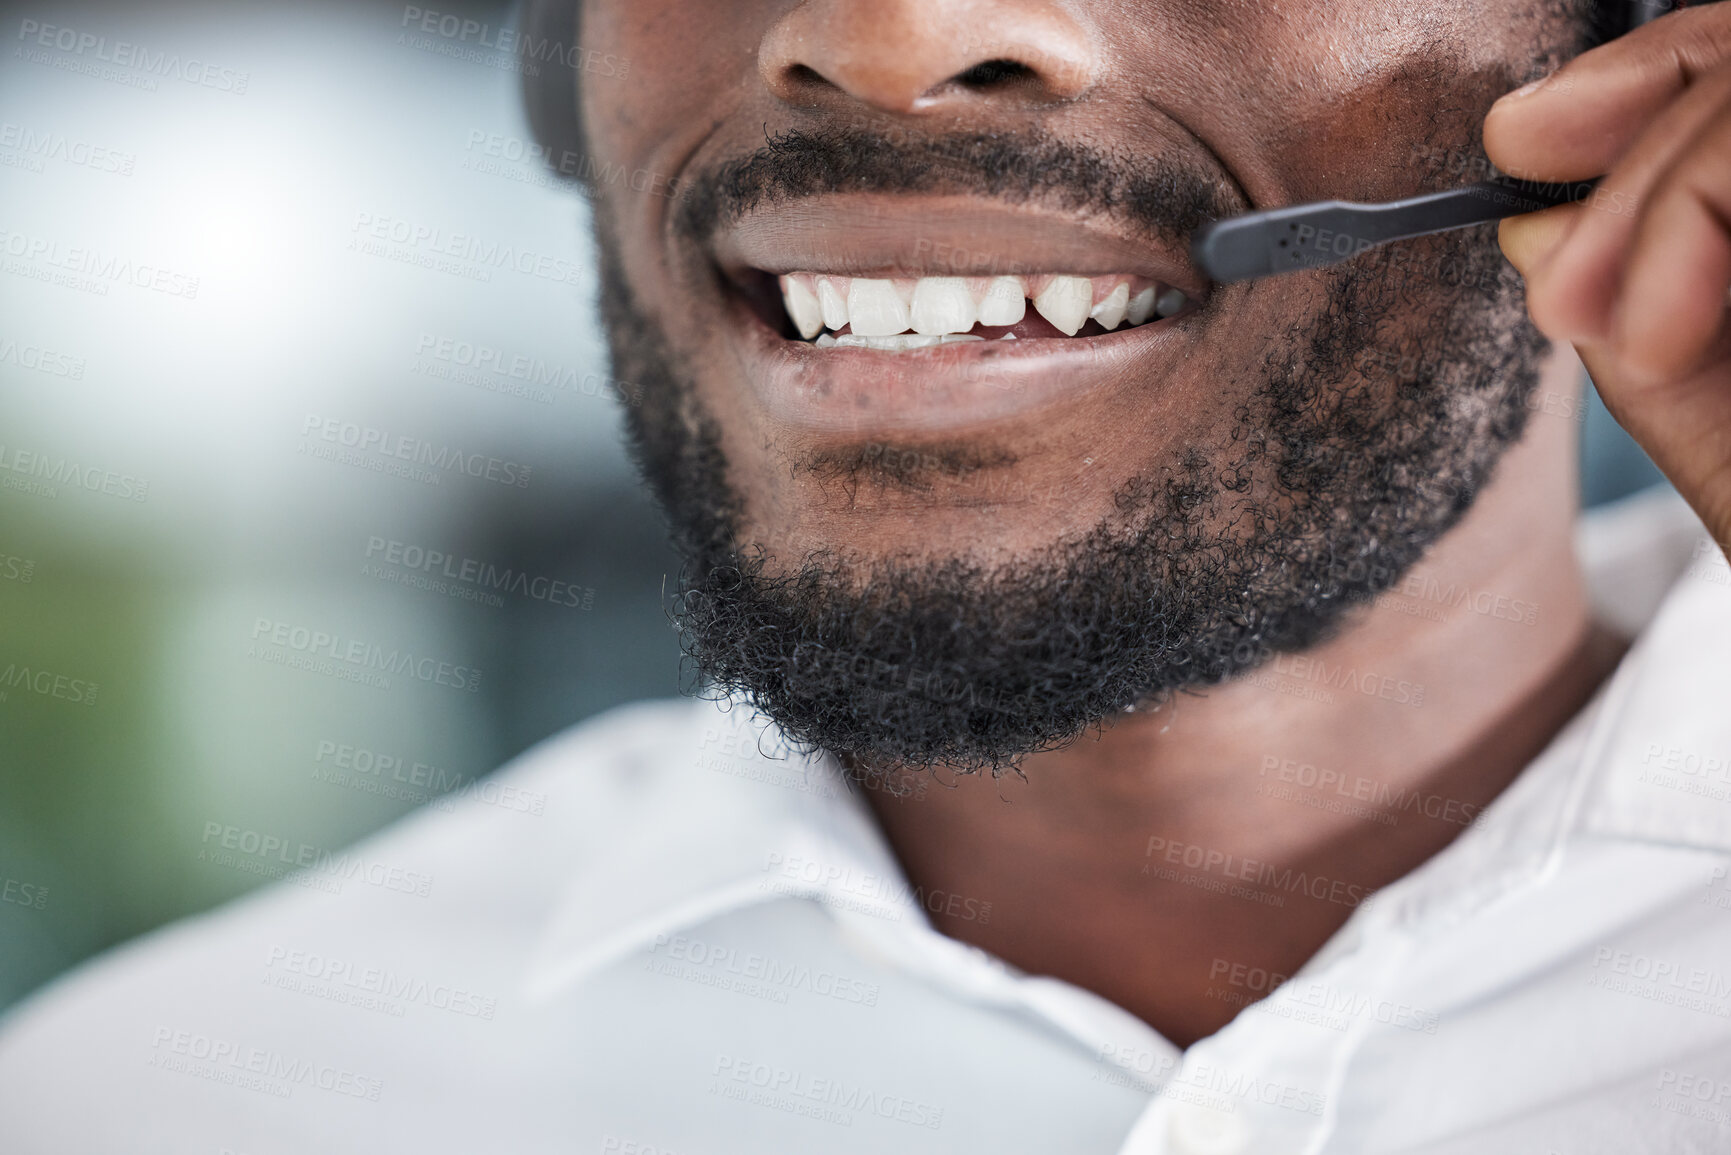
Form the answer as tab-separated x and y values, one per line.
927	56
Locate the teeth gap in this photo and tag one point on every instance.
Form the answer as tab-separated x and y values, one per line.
900	313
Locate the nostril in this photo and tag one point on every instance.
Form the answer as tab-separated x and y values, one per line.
989	73
919	57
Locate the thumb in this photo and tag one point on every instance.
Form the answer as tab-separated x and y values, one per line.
1529	240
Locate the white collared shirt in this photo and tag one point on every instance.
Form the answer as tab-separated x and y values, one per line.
650	936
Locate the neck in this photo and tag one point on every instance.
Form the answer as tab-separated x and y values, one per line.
1443	689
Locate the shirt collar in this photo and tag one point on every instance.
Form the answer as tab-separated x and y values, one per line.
1660	769
749	823
767	824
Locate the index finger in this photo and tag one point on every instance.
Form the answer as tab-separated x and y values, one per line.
1576	123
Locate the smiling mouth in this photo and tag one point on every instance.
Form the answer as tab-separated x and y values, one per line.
898	314
857	315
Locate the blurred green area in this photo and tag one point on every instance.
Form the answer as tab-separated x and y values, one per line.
102	806
83	795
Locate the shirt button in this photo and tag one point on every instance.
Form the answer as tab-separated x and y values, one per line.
1198	1130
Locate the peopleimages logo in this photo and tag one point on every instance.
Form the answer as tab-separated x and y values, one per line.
393	776
23	893
1662	980
351	443
255	1068
752	973
101	268
362	656
864	891
343	980
47	473
40	146
415	565
1381	798
506	156
160	64
373	231
518	374
43	683
830	1100
543	50
1234	1086
40	359
227	845
1264	875
1311	1001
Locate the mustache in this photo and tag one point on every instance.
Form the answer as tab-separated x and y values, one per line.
1155	194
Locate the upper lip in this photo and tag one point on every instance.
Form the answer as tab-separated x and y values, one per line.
915	235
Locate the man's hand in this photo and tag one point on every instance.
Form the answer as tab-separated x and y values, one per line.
1636	277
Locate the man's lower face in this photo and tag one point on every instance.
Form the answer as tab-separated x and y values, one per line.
917	551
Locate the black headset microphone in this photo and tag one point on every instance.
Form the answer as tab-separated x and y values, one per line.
1320	233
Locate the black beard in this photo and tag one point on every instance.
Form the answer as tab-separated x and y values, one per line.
1349	460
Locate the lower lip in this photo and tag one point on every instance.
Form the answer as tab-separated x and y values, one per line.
940	389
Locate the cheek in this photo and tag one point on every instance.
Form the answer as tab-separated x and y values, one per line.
1343	97
682	69
684	64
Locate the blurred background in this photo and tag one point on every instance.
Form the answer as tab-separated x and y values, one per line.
312	501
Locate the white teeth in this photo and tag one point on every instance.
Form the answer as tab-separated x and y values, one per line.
895	343
1141	306
880	308
943	305
1004	302
875	309
833	303
898	343
1110	312
1065	302
802	306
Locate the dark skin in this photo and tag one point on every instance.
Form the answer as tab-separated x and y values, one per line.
1063	854
1341	95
